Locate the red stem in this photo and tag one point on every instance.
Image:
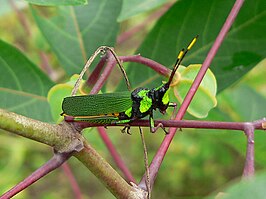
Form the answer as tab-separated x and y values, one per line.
121	165
158	158
148	62
106	73
72	180
185	124
56	161
96	73
249	164
46	67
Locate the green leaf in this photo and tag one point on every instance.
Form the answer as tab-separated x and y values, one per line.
256	78
74	33
55	99
134	7
241	50
243	103
56	95
23	86
246	189
204	99
58	3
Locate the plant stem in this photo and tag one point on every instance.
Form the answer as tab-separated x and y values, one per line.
95	74
120	164
258	124
57	136
71	178
107	71
56	161
148	62
101	169
146	163
249	164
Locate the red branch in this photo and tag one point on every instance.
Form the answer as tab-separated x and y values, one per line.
74	185
242	126
56	161
249	164
115	155
148	62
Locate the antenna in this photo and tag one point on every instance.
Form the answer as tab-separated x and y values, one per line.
101	49
180	57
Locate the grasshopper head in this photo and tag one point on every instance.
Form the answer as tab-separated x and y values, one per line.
161	97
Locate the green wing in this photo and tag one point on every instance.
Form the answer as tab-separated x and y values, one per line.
99	104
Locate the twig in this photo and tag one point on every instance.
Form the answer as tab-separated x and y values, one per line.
121	165
101	169
90	82
146	162
159	68
258	124
61	137
249	164
101	49
74	185
56	161
46	67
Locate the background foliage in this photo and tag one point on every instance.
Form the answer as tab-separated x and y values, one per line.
54	43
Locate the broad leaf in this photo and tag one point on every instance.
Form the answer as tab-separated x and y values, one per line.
74	33
241	103
134	7
245	104
58	3
246	189
23	86
241	50
56	95
205	97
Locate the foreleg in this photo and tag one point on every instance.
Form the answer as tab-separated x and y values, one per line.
154	128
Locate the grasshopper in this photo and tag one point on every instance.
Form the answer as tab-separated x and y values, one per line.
124	107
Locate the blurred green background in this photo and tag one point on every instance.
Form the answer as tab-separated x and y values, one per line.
199	162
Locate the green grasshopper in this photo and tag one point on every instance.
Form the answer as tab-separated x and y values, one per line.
123	107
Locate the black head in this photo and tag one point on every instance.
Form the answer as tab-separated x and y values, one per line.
160	97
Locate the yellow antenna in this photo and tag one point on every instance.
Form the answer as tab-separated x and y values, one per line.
180	57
